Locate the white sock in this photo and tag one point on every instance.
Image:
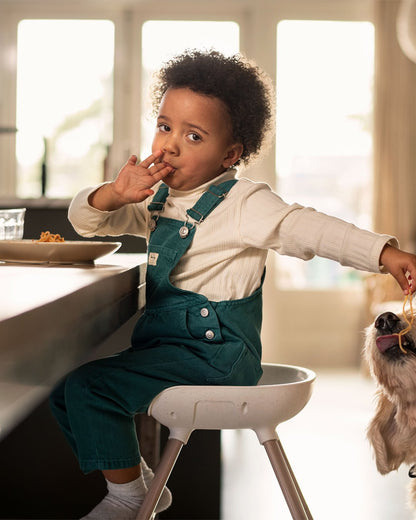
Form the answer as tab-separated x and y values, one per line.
122	501
166	497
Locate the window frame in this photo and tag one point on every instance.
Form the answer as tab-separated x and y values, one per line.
127	78
257	39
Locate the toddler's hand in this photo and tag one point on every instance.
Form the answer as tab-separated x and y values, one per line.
134	181
401	265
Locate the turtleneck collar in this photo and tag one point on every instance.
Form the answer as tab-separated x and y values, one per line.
227	175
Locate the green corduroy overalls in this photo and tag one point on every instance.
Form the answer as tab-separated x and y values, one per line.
181	339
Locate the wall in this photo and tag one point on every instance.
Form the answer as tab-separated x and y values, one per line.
317	329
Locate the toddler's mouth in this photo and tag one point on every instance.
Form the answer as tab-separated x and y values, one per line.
170	166
160	160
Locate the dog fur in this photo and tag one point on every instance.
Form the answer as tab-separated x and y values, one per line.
392	431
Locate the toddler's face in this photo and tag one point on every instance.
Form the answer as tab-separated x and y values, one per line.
194	133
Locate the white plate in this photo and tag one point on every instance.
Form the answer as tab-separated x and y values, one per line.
68	252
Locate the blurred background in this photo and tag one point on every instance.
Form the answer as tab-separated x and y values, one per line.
74	104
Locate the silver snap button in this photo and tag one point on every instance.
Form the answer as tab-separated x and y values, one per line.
209	334
184	231
204	312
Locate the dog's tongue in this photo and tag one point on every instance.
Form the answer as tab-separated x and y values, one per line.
385	342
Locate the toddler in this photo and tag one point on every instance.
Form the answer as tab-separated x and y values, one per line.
208	234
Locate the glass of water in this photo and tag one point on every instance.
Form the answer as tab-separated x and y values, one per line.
11	223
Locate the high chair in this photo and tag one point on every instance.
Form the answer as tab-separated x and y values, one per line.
281	393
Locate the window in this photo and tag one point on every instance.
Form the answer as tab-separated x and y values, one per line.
221	36
64	104
324	131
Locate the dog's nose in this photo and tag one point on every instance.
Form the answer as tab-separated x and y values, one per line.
386	322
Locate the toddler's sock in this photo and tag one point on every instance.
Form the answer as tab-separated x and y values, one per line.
122	501
166	496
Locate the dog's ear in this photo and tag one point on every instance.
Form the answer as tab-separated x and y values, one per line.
406	416
381	433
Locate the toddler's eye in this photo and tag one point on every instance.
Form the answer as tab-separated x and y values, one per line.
194	137
163	127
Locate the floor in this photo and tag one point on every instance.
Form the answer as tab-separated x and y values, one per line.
327	447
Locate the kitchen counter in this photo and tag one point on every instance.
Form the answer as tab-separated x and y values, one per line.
51	319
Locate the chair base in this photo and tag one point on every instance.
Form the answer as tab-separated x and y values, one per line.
162	473
274	449
286	478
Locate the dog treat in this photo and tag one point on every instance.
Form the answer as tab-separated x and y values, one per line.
408	298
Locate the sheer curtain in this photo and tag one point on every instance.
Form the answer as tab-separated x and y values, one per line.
395	131
394	148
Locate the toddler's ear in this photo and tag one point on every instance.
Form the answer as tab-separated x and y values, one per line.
233	154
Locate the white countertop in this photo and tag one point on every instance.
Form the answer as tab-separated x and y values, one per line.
53	316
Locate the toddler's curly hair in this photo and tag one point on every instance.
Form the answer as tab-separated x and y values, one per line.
243	87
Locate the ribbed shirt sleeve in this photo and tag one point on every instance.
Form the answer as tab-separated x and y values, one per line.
227	256
88	221
302	232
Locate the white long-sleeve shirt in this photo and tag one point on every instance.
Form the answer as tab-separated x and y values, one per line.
228	253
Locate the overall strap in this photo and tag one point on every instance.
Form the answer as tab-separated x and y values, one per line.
159	199
209	200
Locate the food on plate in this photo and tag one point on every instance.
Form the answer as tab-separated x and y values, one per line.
47	236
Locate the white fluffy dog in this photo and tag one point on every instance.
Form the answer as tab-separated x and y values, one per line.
392	431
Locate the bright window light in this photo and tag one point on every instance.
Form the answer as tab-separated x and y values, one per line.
325	78
64	104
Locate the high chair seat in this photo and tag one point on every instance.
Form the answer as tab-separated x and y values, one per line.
280	394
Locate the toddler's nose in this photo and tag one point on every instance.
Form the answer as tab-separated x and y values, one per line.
170	146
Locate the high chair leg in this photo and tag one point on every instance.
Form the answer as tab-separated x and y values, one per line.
286	478
163	470
301	497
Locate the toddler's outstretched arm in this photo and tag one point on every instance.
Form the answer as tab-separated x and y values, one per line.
398	263
133	183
